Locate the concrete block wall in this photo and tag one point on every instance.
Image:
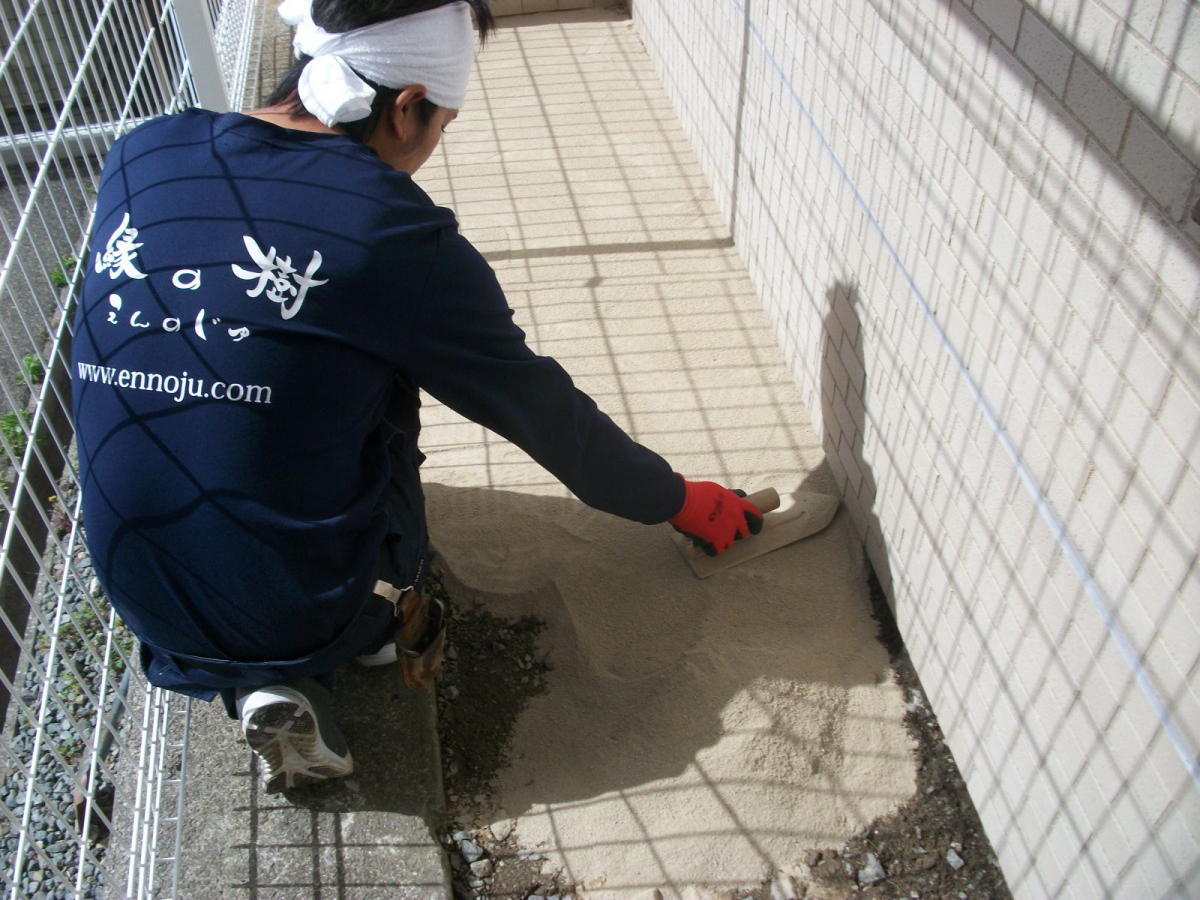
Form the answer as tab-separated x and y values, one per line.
971	223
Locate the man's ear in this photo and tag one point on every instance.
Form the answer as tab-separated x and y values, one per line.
404	117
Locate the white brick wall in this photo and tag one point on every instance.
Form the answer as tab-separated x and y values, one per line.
1032	164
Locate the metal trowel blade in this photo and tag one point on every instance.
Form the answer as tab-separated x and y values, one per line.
800	515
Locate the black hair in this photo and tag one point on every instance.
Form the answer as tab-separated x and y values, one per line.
337	16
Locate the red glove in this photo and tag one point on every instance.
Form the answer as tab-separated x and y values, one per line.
714	517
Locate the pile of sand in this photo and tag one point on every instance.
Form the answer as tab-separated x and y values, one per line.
694	732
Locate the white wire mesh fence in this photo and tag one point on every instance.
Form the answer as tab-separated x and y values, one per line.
92	798
232	22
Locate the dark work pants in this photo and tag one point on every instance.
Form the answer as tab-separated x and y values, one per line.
404	560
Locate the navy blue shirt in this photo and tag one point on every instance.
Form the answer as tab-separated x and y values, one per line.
254	296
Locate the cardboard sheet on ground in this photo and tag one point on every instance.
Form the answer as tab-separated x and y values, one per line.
694	732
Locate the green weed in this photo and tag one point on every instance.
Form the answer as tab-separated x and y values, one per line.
14	432
60	277
34	370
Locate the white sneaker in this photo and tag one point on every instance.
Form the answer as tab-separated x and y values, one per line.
291	730
384	656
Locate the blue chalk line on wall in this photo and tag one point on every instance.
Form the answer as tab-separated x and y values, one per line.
1116	632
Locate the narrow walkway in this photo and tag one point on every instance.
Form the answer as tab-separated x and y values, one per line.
693	732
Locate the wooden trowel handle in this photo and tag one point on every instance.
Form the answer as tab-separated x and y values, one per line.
766	500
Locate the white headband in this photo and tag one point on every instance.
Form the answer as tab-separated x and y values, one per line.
434	48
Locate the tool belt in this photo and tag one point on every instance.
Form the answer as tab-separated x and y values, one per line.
421	636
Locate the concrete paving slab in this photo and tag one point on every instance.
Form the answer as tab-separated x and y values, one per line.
366	837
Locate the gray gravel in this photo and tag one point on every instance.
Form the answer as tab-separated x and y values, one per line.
471	851
872	872
54	856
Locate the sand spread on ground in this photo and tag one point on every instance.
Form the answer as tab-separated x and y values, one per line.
694	732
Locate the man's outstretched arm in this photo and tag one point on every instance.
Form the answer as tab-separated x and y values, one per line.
468	353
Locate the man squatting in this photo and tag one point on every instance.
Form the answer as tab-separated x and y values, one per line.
284	276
